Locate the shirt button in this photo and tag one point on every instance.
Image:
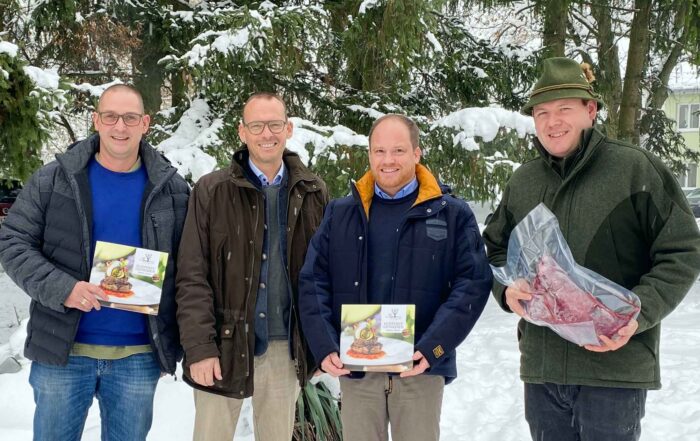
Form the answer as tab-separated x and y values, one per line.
253	207
444	202
265	226
227	332
429	210
357	283
360	238
262	286
261	315
264	256
299	195
250	242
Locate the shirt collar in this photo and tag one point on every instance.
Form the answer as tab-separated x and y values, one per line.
405	191
263	179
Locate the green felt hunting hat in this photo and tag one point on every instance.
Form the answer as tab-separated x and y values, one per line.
562	78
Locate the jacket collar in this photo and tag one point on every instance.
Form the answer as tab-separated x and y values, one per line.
428	187
78	155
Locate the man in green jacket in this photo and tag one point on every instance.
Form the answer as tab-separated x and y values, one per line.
624	216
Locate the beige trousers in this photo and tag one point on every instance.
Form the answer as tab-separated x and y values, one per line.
410	405
274	401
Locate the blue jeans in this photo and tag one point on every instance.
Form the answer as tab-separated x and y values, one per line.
124	389
583	413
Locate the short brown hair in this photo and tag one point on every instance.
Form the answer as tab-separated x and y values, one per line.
264	95
413	130
122	86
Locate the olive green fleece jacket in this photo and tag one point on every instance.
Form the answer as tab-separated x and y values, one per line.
624	216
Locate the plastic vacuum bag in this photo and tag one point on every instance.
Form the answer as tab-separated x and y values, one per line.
573	301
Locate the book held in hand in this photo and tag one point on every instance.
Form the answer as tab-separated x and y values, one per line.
132	277
377	338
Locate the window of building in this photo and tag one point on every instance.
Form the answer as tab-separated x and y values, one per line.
688	116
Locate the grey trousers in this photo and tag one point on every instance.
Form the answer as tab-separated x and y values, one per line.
411	406
274	401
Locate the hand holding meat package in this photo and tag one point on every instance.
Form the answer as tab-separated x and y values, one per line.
575	302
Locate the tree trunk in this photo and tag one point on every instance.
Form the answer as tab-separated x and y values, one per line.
637	58
148	75
608	82
554	32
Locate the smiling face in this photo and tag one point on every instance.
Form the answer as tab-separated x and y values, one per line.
119	143
559	124
265	148
392	157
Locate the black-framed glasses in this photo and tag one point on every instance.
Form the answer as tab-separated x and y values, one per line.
130	119
257	127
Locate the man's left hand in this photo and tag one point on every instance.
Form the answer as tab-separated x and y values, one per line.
418	368
623	336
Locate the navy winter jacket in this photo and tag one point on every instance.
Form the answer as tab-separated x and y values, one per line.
441	267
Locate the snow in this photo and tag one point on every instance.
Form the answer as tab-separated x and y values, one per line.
373	113
685	77
434	41
483	404
368	4
195	131
485	123
320	137
94	90
43	78
8	48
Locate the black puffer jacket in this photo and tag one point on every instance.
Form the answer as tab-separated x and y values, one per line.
45	248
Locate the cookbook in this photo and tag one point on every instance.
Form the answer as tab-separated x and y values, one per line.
132	277
377	338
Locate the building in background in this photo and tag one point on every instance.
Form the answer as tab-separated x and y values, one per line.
683	106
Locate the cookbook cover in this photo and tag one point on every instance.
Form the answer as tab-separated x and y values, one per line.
377	338
132	277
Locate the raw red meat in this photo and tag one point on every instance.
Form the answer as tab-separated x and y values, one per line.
557	300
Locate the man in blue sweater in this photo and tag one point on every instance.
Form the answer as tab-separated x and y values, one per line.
399	238
111	187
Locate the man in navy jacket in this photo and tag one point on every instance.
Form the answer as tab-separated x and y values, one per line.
399	238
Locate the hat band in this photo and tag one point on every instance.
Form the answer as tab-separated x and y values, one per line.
588	88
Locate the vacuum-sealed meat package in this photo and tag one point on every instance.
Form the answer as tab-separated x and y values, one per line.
573	301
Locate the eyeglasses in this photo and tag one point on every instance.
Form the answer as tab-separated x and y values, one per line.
257	127
111	118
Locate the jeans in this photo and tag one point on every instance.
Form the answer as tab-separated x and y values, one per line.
583	413
124	389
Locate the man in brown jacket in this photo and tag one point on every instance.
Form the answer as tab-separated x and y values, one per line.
243	245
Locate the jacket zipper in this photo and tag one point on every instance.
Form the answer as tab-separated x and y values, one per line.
152	320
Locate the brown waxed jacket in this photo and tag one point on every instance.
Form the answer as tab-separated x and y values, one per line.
221	251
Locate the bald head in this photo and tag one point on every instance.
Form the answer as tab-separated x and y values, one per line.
120	88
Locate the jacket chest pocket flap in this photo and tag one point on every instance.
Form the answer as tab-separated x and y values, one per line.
436	229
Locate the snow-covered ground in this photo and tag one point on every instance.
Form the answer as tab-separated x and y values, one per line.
483	404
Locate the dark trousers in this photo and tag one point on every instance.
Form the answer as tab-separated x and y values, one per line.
583	413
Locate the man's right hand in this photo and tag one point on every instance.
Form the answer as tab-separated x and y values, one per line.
332	365
203	372
519	290
84	297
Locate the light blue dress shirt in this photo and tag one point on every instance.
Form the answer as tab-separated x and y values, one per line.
263	179
405	191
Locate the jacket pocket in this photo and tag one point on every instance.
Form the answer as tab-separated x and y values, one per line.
436	229
234	355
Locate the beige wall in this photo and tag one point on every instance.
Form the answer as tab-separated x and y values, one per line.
692	136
